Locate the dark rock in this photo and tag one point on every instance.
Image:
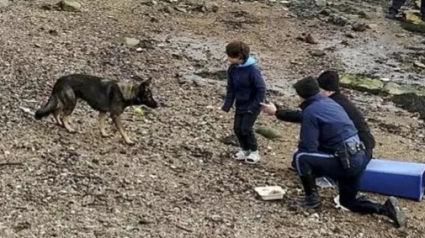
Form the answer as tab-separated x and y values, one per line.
70	6
268	132
411	102
350	35
321	3
147	44
326	12
307	38
362	83
338	20
317	53
230	140
360	26
219	75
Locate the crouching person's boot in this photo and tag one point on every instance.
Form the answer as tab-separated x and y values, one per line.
392	211
311	199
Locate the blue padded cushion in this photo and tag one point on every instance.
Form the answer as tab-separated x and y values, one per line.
394	178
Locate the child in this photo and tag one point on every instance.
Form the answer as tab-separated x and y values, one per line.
245	87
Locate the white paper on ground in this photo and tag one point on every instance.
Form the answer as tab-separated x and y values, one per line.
325	182
270	192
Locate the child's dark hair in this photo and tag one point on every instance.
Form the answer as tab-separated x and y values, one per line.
237	49
329	80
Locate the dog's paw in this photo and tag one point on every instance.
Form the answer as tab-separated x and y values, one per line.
129	142
70	130
104	134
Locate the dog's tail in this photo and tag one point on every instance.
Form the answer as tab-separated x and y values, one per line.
48	108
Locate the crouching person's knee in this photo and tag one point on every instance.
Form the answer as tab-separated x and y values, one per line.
301	164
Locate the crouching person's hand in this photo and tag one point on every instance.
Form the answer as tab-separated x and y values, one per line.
269	108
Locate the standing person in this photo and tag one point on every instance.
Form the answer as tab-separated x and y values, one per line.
329	86
245	87
394	9
329	146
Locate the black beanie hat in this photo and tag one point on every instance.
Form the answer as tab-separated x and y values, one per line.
329	80
307	87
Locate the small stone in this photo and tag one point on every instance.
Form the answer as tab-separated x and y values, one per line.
326	12
321	3
267	132
317	53
131	42
350	35
338	20
285	3
177	56
53	32
70	6
314	217
216	217
419	64
180	9
309	39
147	44
210	6
5	3
364	15
345	42
360	26
168	9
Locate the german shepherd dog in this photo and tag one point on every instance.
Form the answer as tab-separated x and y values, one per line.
103	95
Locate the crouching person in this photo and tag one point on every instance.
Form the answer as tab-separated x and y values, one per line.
329	146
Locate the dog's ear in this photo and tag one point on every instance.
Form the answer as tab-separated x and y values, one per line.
148	81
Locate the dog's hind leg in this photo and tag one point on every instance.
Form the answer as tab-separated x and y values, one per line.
67	111
101	121
57	114
118	124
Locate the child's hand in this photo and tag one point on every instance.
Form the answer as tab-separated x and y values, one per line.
215	108
269	108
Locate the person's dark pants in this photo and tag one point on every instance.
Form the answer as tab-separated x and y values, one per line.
243	128
322	164
397	4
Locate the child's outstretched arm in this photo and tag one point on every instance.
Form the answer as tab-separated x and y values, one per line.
260	87
230	95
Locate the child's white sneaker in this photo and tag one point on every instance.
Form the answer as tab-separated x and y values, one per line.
253	157
242	155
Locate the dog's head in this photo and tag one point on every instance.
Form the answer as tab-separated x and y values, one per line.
144	95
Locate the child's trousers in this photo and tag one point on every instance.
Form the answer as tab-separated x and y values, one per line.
243	128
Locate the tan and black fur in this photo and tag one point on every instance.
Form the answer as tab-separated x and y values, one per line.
103	95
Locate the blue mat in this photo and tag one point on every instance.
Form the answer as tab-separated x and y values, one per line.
394	178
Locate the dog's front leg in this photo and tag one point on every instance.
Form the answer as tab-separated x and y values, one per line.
118	124
66	124
101	121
